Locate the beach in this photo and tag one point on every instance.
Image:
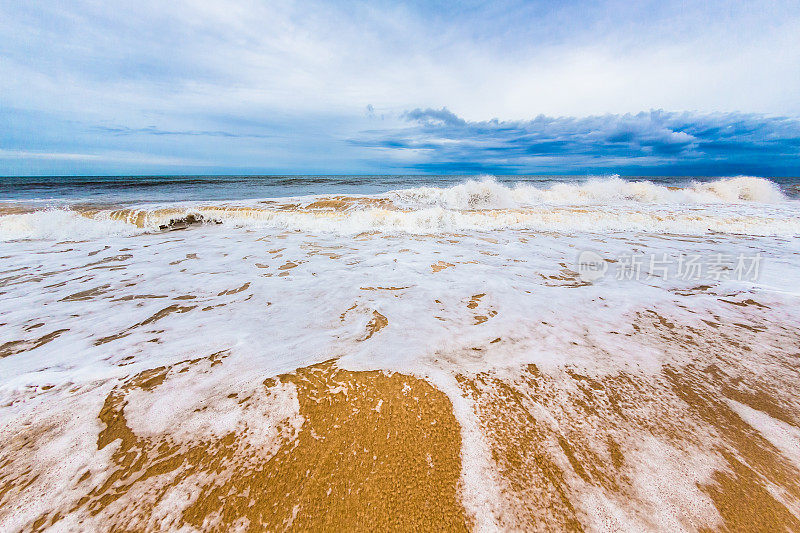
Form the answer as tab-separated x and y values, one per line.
480	353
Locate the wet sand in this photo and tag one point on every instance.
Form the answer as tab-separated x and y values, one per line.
367	450
431	360
372	451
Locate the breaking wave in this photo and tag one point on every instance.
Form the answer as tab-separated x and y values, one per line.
488	194
741	205
60	224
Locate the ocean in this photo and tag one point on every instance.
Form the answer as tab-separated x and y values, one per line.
144	189
496	352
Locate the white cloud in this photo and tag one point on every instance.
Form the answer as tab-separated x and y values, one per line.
193	65
317	57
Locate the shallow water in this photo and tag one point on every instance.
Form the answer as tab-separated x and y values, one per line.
152	327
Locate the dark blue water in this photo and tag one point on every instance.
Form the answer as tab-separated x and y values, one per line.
137	189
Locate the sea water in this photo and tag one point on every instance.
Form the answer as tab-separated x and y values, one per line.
444	278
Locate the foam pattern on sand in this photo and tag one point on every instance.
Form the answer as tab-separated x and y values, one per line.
205	378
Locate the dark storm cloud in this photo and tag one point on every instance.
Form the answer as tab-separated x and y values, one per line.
654	139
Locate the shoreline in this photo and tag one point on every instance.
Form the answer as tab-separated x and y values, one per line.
324	447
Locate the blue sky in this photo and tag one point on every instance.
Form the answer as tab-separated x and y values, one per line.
246	86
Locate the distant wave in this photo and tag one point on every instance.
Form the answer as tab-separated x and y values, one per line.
742	205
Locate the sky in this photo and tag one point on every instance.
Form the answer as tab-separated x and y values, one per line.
505	87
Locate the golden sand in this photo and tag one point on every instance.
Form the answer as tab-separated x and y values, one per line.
565	278
87	294
22	345
375	324
473	303
588	442
174	308
378	451
375	451
545	468
475	300
236	290
441	265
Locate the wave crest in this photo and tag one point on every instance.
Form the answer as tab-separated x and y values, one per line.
745	205
487	193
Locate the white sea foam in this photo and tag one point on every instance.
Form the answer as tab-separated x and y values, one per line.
489	194
60	224
277	301
783	436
